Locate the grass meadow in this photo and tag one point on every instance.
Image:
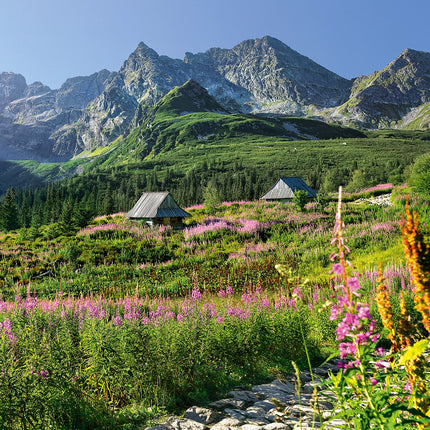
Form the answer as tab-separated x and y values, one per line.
114	324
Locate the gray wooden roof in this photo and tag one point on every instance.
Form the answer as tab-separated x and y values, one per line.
285	188
156	205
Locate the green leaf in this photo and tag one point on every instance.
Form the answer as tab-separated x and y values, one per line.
414	351
283	270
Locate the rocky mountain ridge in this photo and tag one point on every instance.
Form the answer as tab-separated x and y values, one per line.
256	76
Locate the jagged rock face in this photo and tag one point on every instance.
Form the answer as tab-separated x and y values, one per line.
278	78
77	92
389	96
108	116
12	87
32	116
147	76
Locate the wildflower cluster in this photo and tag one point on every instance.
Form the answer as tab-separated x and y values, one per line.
372	389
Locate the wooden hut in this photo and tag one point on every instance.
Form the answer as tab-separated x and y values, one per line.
158	209
284	189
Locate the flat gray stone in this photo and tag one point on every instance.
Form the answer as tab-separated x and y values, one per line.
302	426
220	405
309	410
269	393
310	386
244	395
276	389
202	415
323	405
284	386
335	424
258	421
276	426
234	413
250	427
254	412
227	424
159	427
267	405
184	424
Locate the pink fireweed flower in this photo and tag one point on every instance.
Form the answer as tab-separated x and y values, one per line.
354	286
229	289
346	348
375	338
334	312
343	301
7	331
352	320
264	303
383	364
407	388
362	338
342	330
337	269
380	351
44	373
196	295
221	293
363	312
117	321
297	292
373	381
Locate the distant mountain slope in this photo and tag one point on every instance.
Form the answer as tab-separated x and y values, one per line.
393	97
31	115
256	76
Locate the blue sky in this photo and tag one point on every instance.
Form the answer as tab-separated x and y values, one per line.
52	40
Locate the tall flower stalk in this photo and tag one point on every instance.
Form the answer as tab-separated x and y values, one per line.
417	253
372	388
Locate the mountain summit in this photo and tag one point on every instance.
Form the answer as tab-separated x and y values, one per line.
256	76
395	96
277	78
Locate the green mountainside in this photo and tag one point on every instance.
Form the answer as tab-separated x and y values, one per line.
187	127
187	144
188	116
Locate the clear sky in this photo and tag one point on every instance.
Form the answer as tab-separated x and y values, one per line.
52	40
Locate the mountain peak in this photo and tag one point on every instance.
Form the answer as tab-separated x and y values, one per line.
188	98
144	51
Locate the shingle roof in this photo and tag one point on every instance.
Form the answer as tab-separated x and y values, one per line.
156	205
285	188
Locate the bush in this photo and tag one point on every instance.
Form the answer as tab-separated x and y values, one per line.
300	199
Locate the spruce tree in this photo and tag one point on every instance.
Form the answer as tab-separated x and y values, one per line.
9	213
108	203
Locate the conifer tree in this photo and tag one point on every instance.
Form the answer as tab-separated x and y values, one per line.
108	203
9	212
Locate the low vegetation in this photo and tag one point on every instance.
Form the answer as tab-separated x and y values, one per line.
110	324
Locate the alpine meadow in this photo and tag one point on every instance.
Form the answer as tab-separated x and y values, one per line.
235	240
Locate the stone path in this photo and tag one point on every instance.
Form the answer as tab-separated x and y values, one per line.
273	406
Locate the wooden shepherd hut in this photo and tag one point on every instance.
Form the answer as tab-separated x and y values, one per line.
158	209
284	189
